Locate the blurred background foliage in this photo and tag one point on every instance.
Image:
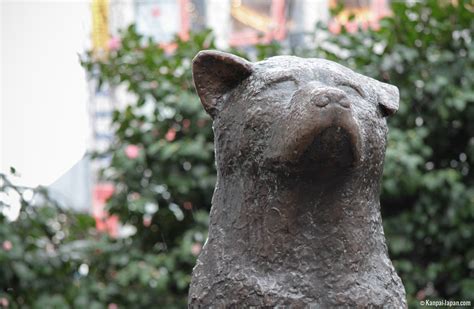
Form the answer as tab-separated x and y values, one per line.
163	169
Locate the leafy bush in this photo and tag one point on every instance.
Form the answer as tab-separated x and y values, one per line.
162	164
163	169
36	267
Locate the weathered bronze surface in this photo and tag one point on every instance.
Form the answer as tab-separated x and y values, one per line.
295	217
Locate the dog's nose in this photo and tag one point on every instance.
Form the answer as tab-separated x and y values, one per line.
326	96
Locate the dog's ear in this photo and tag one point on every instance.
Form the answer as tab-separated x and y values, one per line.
215	74
388	99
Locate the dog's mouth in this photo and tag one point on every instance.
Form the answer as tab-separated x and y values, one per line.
335	147
330	148
322	143
331	143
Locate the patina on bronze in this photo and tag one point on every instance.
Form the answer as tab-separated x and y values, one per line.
295	218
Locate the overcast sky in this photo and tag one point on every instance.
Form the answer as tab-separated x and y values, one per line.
43	91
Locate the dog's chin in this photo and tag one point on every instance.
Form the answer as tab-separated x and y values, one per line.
333	148
330	143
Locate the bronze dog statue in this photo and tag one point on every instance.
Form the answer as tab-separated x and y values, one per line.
295	218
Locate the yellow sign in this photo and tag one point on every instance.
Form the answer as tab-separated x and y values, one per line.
100	25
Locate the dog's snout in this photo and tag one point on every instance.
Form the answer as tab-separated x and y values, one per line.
328	96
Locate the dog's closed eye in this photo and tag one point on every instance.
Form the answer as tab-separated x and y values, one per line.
350	88
280	87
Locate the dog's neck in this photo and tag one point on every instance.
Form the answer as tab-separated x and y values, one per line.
281	222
